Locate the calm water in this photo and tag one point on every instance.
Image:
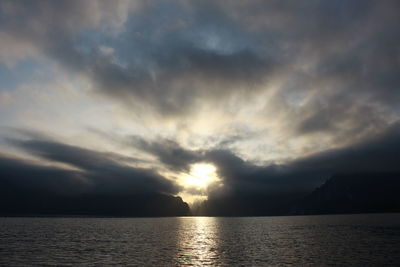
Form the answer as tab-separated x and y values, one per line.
362	240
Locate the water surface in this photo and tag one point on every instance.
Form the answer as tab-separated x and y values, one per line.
360	240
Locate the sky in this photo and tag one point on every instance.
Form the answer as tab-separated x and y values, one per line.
197	98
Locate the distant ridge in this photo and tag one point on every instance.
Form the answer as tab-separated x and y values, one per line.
342	193
353	193
139	205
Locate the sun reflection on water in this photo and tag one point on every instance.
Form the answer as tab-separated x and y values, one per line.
197	245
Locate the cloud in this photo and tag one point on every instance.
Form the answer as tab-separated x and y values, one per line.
299	175
195	54
168	152
49	28
106	172
31	189
307	87
180	79
378	154
20	177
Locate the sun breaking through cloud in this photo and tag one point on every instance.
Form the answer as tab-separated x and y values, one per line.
177	97
200	176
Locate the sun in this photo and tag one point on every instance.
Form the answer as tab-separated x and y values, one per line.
200	176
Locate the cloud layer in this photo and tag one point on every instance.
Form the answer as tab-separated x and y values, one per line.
276	94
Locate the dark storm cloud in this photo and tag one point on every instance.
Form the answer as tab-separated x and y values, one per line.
104	171
184	76
76	156
274	190
167	68
171	55
243	178
30	189
47	26
18	176
346	115
168	152
379	154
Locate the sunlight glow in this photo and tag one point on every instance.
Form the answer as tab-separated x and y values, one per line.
200	176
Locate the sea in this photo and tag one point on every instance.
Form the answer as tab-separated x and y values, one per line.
327	240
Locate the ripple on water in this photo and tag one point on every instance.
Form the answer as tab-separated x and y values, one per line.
364	240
